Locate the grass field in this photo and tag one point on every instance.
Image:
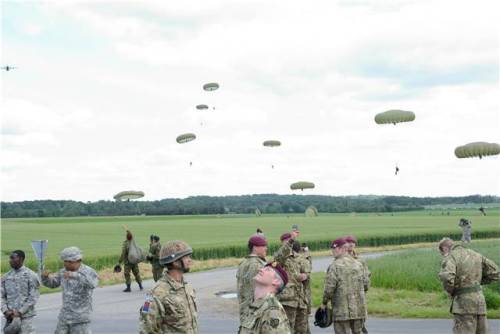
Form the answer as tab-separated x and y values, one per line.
406	284
100	238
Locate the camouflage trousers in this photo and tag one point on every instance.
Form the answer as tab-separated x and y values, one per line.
65	328
298	319
157	272
354	326
135	270
470	324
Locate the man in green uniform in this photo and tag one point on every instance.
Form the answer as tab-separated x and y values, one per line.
128	267
305	265
170	306
345	288
154	257
462	273
266	315
248	269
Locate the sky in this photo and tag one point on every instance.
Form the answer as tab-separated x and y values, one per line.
102	90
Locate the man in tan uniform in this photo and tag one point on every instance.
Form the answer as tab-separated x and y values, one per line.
305	265
248	269
266	315
462	273
170	306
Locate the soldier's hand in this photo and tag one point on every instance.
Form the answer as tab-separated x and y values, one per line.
16	313
67	274
302	277
45	274
8	314
322	306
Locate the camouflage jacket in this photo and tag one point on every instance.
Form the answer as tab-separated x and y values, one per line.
247	270
154	252
306	268
366	271
20	291
124	256
265	316
170	307
462	273
293	294
345	287
77	293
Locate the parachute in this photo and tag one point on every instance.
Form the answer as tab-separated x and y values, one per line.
185	138
302	185
271	143
211	86
477	149
202	107
394	116
311	211
128	195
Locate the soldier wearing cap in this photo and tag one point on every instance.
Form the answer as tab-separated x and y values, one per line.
462	273
266	315
19	294
154	257
345	289
170	306
127	266
248	269
78	282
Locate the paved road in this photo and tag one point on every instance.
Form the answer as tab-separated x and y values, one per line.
118	312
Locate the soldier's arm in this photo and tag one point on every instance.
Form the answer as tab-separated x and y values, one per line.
283	252
448	273
33	294
123	256
490	271
156	253
150	319
275	322
52	280
330	284
87	278
366	275
4	297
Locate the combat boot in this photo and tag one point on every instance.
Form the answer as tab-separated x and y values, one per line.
140	285
128	288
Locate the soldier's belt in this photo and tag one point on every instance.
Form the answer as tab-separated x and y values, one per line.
469	289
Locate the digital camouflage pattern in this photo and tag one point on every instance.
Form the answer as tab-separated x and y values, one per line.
127	266
76	294
154	253
170	307
265	316
80	328
466	233
247	270
20	291
345	286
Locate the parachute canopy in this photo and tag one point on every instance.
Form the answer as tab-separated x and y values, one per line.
201	107
211	86
302	185
128	195
272	143
185	138
394	116
477	149
311	211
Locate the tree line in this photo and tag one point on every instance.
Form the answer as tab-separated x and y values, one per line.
266	203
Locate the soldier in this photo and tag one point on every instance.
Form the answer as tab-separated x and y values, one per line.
78	282
127	266
266	315
305	265
462	273
345	288
154	257
466	226
20	293
292	297
248	269
170	306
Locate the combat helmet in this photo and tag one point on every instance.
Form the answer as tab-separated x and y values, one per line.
173	250
323	317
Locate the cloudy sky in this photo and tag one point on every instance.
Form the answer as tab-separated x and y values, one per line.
102	90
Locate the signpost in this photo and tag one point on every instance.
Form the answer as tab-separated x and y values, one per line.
40	249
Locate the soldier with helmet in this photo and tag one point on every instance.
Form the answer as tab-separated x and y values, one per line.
170	306
248	269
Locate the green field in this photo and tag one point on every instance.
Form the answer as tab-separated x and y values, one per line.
100	238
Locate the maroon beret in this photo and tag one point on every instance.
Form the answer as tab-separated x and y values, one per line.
338	243
257	240
351	238
279	269
285	236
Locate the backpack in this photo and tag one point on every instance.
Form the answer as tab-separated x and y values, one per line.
135	253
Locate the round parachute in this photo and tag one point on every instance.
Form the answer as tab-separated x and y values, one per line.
128	195
302	185
311	211
202	107
211	86
271	143
394	116
185	138
477	149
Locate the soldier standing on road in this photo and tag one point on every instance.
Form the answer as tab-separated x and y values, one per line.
345	288
266	315
170	306
462	273
305	265
78	282
154	257
248	269
20	293
466	226
128	267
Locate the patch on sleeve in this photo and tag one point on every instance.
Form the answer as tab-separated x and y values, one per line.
274	322
147	304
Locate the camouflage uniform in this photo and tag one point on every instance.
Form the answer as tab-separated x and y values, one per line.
345	287
154	253
462	273
265	316
170	307
367	277
20	293
247	270
302	326
466	233
127	266
74	317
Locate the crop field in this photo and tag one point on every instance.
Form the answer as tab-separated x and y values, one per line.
214	236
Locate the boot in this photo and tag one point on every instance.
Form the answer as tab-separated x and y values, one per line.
140	285
128	288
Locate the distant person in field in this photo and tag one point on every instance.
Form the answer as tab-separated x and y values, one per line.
481	209
466	226
129	267
462	273
259	232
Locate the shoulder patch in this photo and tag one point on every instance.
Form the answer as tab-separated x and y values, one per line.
274	322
